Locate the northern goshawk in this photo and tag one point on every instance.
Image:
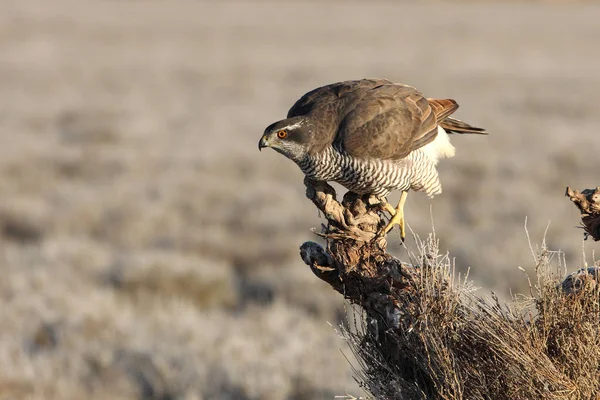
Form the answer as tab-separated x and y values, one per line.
372	136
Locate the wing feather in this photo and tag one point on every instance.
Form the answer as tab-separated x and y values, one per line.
389	122
443	108
373	118
317	98
327	107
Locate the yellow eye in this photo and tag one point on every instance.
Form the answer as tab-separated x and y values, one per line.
282	134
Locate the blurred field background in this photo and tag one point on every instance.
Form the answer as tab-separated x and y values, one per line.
149	251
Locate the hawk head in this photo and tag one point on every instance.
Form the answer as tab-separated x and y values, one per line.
290	137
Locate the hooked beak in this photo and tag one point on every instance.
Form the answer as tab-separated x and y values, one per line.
263	142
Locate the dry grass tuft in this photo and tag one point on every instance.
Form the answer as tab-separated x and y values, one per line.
450	344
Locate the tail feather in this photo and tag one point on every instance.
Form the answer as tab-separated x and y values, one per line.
453	125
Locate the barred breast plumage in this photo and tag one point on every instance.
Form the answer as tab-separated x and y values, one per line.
417	171
372	136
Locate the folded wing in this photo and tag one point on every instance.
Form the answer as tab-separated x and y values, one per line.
390	121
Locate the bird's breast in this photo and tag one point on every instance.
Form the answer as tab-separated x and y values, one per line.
359	175
326	165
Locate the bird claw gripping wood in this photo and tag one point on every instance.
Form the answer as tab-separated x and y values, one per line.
588	203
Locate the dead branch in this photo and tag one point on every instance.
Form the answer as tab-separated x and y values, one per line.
588	203
355	262
354	218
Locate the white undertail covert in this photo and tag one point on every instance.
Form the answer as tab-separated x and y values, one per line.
440	147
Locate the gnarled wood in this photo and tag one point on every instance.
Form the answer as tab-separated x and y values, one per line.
588	203
426	335
355	262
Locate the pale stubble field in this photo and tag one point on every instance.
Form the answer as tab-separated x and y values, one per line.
148	250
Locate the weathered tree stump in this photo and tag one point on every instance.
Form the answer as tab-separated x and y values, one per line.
588	203
425	335
355	262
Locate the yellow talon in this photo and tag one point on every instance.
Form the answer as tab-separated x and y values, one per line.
397	215
389	208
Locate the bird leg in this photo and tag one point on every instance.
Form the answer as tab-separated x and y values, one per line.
388	207
397	215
